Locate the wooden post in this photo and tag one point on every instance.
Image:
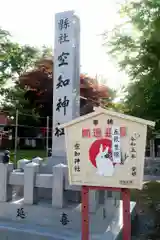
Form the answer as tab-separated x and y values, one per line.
85	213
126	231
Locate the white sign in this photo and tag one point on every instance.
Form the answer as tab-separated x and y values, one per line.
106	148
116	148
66	76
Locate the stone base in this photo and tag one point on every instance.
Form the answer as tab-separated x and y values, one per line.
45	222
52	161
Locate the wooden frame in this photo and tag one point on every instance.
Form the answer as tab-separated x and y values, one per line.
126	231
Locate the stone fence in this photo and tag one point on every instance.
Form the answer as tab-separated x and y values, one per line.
28	180
152	168
33	184
31	180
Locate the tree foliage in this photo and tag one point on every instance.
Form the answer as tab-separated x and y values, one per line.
39	85
14	60
26	80
136	47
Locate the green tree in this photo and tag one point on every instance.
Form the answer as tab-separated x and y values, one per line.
14	61
27	82
135	45
14	58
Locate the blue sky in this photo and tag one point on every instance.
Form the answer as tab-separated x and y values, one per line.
32	22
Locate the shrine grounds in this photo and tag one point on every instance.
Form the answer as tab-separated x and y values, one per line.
27	154
146	225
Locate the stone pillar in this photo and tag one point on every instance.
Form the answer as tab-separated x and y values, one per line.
71	71
20	167
58	185
116	196
93	201
30	192
152	148
109	203
5	189
37	160
22	162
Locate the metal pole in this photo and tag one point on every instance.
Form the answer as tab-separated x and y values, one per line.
16	136
47	136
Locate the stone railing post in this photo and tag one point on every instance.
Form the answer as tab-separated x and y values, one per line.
109	203
37	160
93	201
21	163
30	192
117	197
58	185
5	189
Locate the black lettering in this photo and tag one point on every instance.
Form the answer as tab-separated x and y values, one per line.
122	182
61	82
110	121
116	154
116	132
133	139
64	219
116	138
76	153
62	104
59	131
77	146
126	182
136	135
62	59
133	155
95	122
77	169
134	171
63	38
63	23
21	213
76	160
133	143
116	147
133	150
